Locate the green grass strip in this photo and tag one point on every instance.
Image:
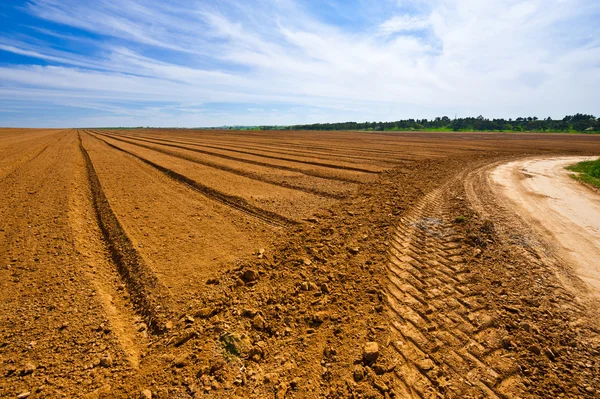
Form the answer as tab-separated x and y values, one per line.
587	172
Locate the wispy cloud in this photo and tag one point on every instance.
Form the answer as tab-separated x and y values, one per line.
208	62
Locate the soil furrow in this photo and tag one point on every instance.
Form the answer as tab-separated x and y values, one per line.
232	201
146	291
301	151
320	164
244	173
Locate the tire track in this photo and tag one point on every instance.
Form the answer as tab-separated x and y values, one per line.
174	143
442	331
234	202
244	173
147	294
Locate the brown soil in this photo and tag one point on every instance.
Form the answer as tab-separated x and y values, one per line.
177	264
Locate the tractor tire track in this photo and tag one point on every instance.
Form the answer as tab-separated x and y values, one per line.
147	293
445	336
234	202
244	173
174	144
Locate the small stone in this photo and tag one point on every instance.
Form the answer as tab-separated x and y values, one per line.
425	365
512	309
249	312
325	288
359	373
206	312
181	361
169	325
256	354
304	286
313	220
295	382
370	352
354	250
507	343
29	368
185	337
106	361
212	281
319	317
259	323
250	275
534	349
306	262
379	369
146	394
525	326
312	287
23	395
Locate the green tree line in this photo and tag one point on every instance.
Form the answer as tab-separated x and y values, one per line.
570	123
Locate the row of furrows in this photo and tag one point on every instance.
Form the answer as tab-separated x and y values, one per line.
239	172
185	145
445	336
12	172
340	149
35	156
326	153
148	295
279	158
234	202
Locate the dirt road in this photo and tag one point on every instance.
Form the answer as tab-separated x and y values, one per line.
564	212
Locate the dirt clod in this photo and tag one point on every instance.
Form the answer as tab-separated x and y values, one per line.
250	275
370	352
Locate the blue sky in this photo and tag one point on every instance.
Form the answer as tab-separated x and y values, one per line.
81	63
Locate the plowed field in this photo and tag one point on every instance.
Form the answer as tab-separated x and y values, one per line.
187	263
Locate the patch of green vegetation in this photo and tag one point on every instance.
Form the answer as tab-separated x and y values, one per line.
587	171
460	219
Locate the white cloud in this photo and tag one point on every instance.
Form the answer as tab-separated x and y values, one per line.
401	23
497	57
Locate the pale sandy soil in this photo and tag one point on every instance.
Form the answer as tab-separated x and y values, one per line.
566	212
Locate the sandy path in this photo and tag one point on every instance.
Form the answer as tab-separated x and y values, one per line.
566	212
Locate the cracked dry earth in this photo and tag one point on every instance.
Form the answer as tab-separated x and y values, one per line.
178	264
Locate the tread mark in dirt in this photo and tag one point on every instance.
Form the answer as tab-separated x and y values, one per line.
445	337
231	201
244	173
147	294
166	143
